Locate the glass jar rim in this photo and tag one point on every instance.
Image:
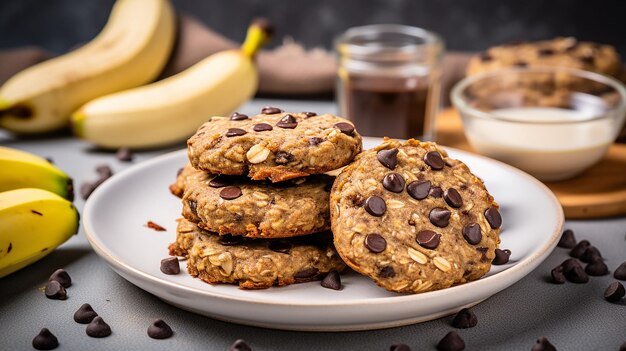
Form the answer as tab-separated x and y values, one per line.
423	41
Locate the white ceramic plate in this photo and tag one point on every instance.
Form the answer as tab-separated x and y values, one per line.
115	215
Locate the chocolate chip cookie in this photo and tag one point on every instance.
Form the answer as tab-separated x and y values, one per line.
562	52
274	145
413	219
255	264
257	209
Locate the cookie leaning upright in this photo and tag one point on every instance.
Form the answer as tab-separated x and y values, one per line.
274	145
413	219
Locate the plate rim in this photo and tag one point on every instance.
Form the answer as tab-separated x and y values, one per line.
542	251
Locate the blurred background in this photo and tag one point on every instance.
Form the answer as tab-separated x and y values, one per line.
470	25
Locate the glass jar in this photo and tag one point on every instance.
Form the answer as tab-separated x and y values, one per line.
389	80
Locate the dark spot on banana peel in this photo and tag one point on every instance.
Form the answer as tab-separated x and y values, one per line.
10	247
36	212
18	111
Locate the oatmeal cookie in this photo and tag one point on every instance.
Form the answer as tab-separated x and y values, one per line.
413	219
562	52
274	145
257	209
255	264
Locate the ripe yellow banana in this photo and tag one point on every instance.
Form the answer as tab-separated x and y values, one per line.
171	110
20	169
130	51
32	223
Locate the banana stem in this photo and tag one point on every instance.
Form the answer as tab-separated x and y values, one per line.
259	33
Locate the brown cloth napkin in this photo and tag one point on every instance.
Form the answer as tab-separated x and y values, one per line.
288	70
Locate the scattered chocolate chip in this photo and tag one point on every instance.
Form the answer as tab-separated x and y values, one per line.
493	217
472	234
50	160
235	132
375	243
394	182
375	205
98	328
193	206
238	117
55	291
283	157
579	250
453	198
568	240
85	314
557	275
620	272
332	281
61	276
159	330
287	122
465	319
577	275
436	192
418	190
124	154
314	141
104	171
239	345
45	340
543	344
428	239
545	52
451	342
307	273
388	158
345	128
230	240
170	265
309	114
269	110
262	127
439	217
614	292
220	181
569	264
434	160
154	226
387	272
591	254
597	268
279	246
230	193
399	347
86	189
502	257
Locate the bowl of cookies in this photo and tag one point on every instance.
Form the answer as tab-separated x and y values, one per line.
552	122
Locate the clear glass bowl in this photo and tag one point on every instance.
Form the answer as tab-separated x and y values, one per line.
551	122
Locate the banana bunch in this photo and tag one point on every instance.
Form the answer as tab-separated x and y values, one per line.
36	213
20	169
171	110
32	223
131	50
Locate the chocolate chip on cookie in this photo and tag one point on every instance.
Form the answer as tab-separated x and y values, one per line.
388	158
230	193
262	127
269	110
439	217
238	116
428	239
419	190
287	122
472	234
375	243
434	160
394	182
375	205
235	132
345	128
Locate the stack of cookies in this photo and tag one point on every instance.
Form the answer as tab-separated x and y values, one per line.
256	199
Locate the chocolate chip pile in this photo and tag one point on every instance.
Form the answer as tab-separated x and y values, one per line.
96	326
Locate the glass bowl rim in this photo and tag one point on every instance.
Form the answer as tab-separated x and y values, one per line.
463	107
